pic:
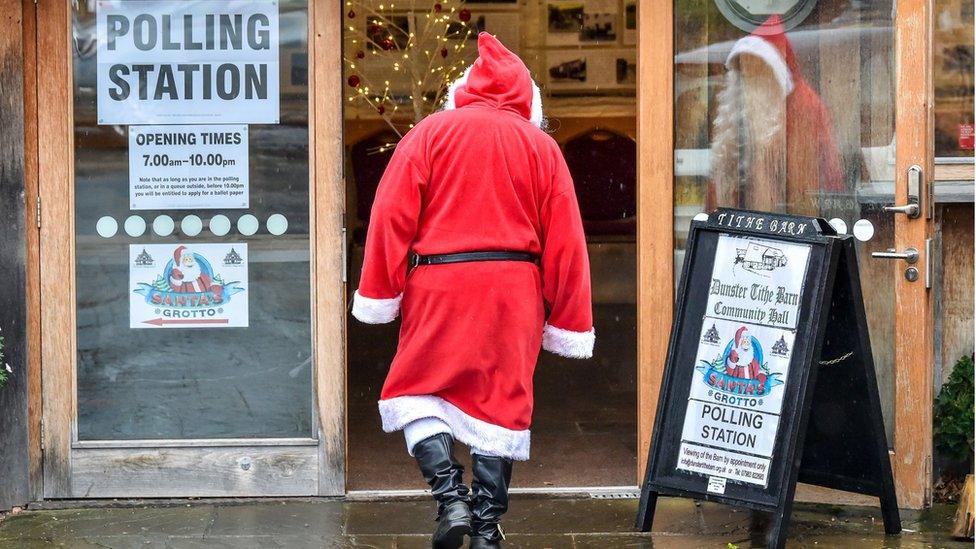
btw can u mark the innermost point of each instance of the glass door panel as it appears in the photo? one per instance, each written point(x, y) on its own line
point(790, 107)
point(192, 238)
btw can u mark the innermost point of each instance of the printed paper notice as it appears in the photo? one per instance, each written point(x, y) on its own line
point(178, 62)
point(188, 167)
point(742, 365)
point(188, 285)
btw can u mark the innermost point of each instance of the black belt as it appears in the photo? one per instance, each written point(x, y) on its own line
point(465, 257)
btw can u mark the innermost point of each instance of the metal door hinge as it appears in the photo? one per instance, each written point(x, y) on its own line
point(37, 214)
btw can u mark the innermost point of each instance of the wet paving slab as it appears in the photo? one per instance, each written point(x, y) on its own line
point(534, 522)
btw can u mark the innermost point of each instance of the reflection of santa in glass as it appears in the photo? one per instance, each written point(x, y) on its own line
point(187, 276)
point(773, 145)
point(741, 362)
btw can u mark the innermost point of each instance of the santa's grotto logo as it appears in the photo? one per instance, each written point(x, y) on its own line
point(740, 369)
point(188, 287)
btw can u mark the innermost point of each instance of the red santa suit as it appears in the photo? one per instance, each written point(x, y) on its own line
point(741, 362)
point(478, 176)
point(186, 275)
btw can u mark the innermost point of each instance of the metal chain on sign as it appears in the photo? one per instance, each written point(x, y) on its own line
point(833, 361)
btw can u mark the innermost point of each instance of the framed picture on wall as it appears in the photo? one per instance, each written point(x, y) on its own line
point(492, 4)
point(591, 71)
point(387, 33)
point(573, 22)
point(504, 25)
point(630, 22)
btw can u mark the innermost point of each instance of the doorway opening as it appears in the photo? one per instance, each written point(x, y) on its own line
point(583, 57)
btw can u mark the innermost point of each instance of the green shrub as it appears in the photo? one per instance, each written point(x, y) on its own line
point(953, 421)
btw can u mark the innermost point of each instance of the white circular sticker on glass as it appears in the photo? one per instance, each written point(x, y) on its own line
point(164, 225)
point(248, 224)
point(191, 225)
point(863, 230)
point(106, 227)
point(839, 225)
point(219, 225)
point(134, 225)
point(277, 224)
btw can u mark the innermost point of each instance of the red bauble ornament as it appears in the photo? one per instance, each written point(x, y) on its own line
point(387, 44)
point(443, 52)
point(464, 15)
point(360, 54)
point(351, 14)
point(381, 109)
point(437, 8)
point(353, 80)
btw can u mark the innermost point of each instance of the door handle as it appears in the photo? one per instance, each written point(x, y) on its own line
point(912, 209)
point(910, 255)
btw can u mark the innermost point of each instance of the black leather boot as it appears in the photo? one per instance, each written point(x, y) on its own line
point(435, 455)
point(489, 499)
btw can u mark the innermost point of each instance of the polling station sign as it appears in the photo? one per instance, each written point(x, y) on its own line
point(194, 62)
point(189, 167)
point(743, 358)
point(769, 378)
point(188, 285)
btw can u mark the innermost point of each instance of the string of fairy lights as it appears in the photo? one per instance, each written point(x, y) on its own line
point(417, 52)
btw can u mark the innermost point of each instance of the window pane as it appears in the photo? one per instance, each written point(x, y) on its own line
point(789, 107)
point(166, 382)
point(953, 75)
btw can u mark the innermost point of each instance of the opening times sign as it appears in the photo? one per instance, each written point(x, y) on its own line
point(197, 62)
point(742, 364)
point(188, 167)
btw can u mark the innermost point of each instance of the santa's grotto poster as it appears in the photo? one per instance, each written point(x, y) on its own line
point(188, 285)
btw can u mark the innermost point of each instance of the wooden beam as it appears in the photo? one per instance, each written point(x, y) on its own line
point(328, 207)
point(256, 471)
point(914, 320)
point(55, 153)
point(655, 211)
point(33, 266)
point(14, 463)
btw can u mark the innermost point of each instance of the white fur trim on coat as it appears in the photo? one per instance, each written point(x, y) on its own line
point(375, 311)
point(566, 343)
point(449, 104)
point(762, 49)
point(535, 113)
point(499, 441)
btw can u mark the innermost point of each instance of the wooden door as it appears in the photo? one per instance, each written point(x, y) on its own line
point(146, 410)
point(841, 102)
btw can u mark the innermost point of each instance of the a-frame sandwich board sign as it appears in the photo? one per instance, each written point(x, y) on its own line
point(769, 378)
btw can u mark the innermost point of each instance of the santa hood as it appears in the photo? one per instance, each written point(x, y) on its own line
point(497, 78)
point(770, 44)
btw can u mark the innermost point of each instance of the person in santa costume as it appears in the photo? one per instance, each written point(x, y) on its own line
point(742, 362)
point(480, 200)
point(186, 276)
point(773, 145)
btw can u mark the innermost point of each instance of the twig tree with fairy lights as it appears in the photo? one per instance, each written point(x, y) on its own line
point(400, 60)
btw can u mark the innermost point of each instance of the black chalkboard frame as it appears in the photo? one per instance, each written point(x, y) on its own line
point(831, 293)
